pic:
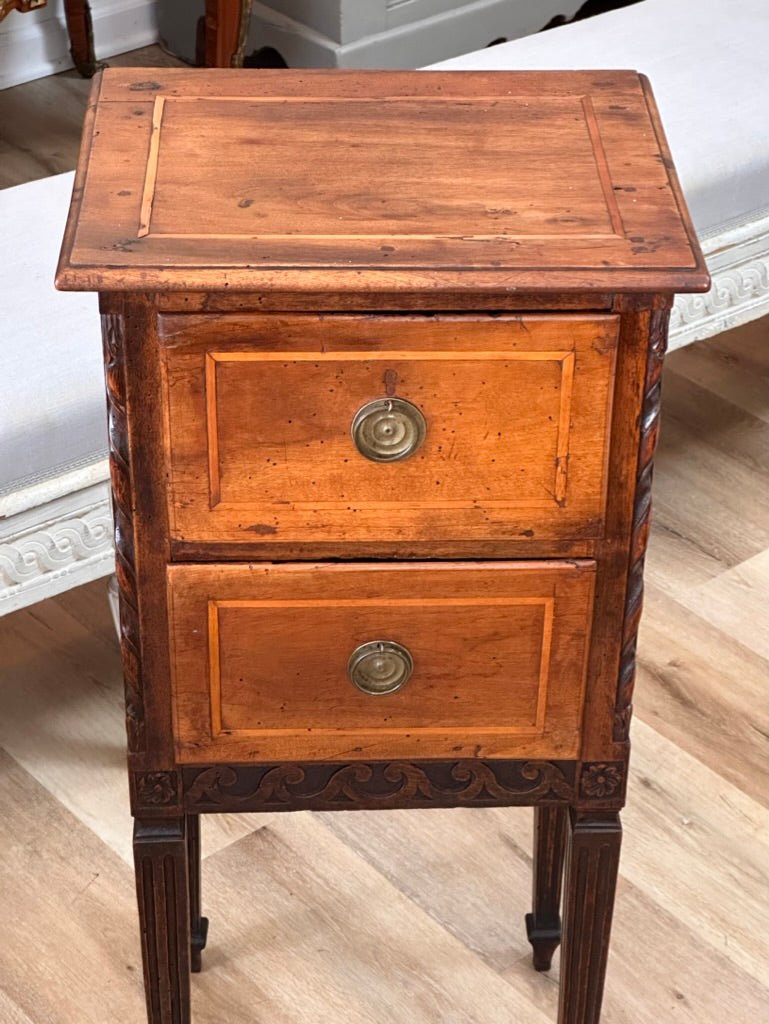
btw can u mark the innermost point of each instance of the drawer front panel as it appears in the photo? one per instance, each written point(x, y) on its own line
point(509, 427)
point(265, 669)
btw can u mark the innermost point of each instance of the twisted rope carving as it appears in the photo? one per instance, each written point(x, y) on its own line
point(650, 413)
point(125, 560)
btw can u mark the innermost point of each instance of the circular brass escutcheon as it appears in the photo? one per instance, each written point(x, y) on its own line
point(388, 429)
point(380, 667)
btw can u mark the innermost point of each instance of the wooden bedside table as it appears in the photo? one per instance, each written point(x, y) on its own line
point(383, 354)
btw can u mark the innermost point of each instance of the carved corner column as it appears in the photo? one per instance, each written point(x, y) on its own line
point(650, 421)
point(113, 339)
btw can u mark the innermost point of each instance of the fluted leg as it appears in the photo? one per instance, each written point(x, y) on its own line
point(543, 924)
point(592, 862)
point(160, 857)
point(198, 923)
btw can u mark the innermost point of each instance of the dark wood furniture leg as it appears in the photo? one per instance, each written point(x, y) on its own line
point(592, 861)
point(198, 923)
point(80, 31)
point(160, 857)
point(226, 25)
point(543, 924)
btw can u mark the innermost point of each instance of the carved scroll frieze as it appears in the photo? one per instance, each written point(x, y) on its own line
point(383, 784)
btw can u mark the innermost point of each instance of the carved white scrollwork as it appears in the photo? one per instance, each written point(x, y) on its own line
point(739, 265)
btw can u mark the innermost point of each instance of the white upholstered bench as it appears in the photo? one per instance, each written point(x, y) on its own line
point(707, 72)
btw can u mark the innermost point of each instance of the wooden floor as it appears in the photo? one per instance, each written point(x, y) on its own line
point(409, 917)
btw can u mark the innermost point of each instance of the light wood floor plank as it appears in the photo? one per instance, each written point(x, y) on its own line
point(10, 1012)
point(482, 860)
point(69, 952)
point(732, 366)
point(325, 938)
point(698, 846)
point(62, 718)
point(704, 691)
point(713, 504)
point(388, 918)
point(660, 971)
point(724, 426)
point(736, 602)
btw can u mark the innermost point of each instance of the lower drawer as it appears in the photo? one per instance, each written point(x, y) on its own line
point(306, 662)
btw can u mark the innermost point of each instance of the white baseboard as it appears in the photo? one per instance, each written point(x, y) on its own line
point(35, 45)
point(402, 43)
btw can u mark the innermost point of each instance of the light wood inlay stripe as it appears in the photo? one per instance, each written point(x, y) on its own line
point(212, 431)
point(562, 444)
point(389, 602)
point(602, 164)
point(459, 99)
point(565, 358)
point(151, 174)
point(544, 661)
point(214, 664)
point(386, 356)
point(215, 685)
point(432, 236)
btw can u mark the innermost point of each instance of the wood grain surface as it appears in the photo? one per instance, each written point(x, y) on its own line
point(382, 918)
point(260, 409)
point(293, 895)
point(261, 654)
point(338, 180)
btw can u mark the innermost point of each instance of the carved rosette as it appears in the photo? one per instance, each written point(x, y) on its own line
point(122, 505)
point(602, 780)
point(155, 790)
point(380, 784)
point(650, 413)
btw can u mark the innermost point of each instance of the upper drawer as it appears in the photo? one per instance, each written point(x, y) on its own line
point(282, 429)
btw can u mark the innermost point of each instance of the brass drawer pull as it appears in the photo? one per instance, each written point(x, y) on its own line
point(388, 429)
point(379, 667)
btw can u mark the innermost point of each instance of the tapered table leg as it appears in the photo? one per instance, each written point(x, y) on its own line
point(198, 923)
point(543, 924)
point(160, 857)
point(592, 861)
point(77, 14)
point(226, 31)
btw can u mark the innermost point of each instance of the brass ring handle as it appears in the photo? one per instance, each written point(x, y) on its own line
point(380, 667)
point(388, 429)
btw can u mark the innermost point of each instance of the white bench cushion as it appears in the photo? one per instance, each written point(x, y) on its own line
point(707, 65)
point(52, 411)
